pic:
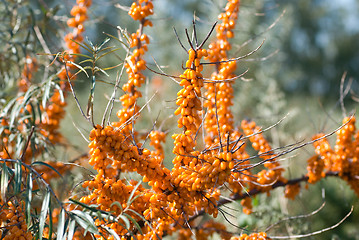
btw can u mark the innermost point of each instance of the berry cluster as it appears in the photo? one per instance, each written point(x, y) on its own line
point(220, 92)
point(141, 9)
point(205, 231)
point(157, 138)
point(273, 173)
point(134, 65)
point(219, 122)
point(217, 50)
point(343, 159)
point(252, 236)
point(292, 190)
point(12, 222)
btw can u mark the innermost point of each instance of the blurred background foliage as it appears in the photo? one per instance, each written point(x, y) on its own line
point(308, 46)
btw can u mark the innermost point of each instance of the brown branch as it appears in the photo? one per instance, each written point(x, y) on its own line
point(254, 192)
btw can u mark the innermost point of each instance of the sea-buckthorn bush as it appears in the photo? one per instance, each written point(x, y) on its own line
point(139, 173)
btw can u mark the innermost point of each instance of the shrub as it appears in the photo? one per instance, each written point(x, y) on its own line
point(214, 161)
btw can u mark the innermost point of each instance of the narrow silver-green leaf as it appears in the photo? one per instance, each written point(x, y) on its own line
point(122, 42)
point(125, 220)
point(113, 233)
point(101, 70)
point(117, 204)
point(109, 68)
point(43, 213)
point(61, 225)
point(71, 230)
point(84, 45)
point(79, 67)
point(130, 200)
point(104, 42)
point(134, 222)
point(85, 221)
point(140, 216)
point(4, 181)
point(17, 177)
point(47, 165)
point(46, 93)
point(28, 199)
point(113, 50)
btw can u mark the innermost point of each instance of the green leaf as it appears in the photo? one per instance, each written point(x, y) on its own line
point(46, 93)
point(104, 42)
point(9, 105)
point(50, 221)
point(130, 200)
point(28, 199)
point(134, 222)
point(122, 42)
point(61, 225)
point(85, 61)
point(117, 204)
point(43, 213)
point(140, 216)
point(71, 230)
point(113, 50)
point(125, 220)
point(112, 232)
point(101, 70)
point(79, 67)
point(4, 181)
point(109, 68)
point(85, 221)
point(81, 55)
point(46, 165)
point(84, 45)
point(17, 177)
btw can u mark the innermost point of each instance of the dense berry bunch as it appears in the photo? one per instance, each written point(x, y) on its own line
point(12, 220)
point(343, 160)
point(273, 173)
point(252, 236)
point(292, 190)
point(157, 139)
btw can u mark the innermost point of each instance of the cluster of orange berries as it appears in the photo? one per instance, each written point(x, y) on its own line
point(51, 118)
point(79, 16)
point(292, 190)
point(252, 236)
point(141, 9)
point(260, 144)
point(188, 98)
point(30, 68)
point(134, 65)
point(220, 95)
point(315, 169)
point(157, 138)
point(111, 153)
point(13, 225)
point(195, 172)
point(205, 231)
point(217, 50)
point(342, 160)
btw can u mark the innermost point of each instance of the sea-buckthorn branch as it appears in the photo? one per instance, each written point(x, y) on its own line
point(256, 191)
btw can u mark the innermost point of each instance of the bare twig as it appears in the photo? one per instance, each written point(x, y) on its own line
point(316, 232)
